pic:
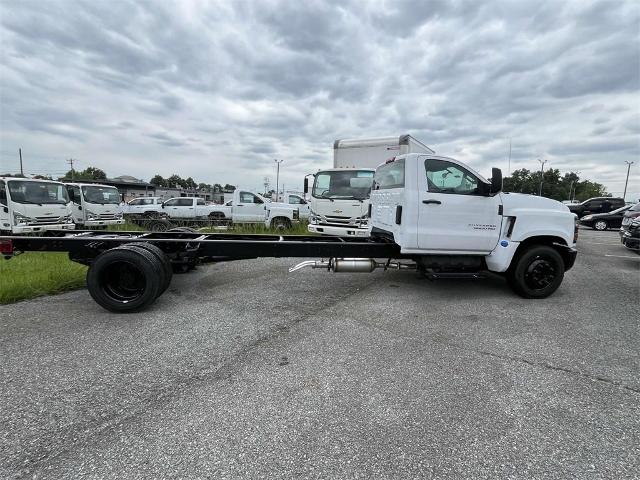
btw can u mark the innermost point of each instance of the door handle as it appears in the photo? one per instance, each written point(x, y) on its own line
point(435, 202)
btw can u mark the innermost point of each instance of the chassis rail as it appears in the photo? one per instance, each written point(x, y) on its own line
point(208, 247)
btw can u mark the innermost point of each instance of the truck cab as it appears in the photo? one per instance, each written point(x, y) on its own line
point(29, 205)
point(454, 220)
point(94, 205)
point(340, 201)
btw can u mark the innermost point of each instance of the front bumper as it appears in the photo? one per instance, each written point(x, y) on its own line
point(42, 228)
point(632, 243)
point(98, 223)
point(339, 231)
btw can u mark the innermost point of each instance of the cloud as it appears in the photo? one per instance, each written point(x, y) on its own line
point(217, 90)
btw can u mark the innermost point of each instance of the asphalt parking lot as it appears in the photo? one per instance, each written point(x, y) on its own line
point(242, 370)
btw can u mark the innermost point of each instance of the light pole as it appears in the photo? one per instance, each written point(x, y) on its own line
point(542, 162)
point(278, 162)
point(624, 195)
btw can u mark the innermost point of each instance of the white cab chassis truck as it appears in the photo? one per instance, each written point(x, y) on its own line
point(94, 205)
point(432, 215)
point(31, 206)
point(339, 202)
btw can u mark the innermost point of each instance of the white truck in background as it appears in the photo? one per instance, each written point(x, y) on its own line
point(149, 207)
point(30, 206)
point(245, 207)
point(94, 205)
point(339, 202)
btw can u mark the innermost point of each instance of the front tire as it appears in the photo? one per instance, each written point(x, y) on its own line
point(537, 272)
point(600, 225)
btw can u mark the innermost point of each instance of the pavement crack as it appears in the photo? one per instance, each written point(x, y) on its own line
point(556, 368)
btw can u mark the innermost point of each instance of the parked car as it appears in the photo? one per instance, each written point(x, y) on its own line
point(630, 237)
point(629, 216)
point(596, 205)
point(603, 221)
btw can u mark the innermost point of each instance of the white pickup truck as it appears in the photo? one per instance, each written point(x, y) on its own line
point(246, 207)
point(143, 206)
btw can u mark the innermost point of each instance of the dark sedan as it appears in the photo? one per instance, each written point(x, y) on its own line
point(602, 221)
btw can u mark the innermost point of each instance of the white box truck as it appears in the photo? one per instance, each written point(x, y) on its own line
point(30, 205)
point(339, 203)
point(94, 205)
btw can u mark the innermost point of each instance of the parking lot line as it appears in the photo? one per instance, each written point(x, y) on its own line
point(622, 256)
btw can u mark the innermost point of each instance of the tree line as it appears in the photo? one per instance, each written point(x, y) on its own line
point(175, 181)
point(554, 185)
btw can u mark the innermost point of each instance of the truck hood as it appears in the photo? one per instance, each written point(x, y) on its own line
point(340, 208)
point(519, 201)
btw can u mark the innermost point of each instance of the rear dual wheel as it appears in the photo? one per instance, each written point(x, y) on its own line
point(129, 278)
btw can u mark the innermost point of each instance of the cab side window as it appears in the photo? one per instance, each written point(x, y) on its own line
point(448, 177)
point(200, 201)
point(296, 200)
point(184, 202)
point(171, 203)
point(248, 197)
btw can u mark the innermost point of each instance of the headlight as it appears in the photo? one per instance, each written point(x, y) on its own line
point(90, 215)
point(68, 218)
point(587, 217)
point(19, 219)
point(119, 215)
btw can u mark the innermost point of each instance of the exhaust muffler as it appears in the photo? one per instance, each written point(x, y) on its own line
point(350, 265)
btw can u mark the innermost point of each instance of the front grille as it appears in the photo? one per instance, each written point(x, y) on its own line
point(106, 216)
point(48, 220)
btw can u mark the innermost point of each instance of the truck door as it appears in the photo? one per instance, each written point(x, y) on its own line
point(200, 207)
point(303, 206)
point(76, 203)
point(249, 208)
point(453, 216)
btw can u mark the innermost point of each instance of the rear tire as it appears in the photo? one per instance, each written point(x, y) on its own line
point(281, 223)
point(164, 262)
point(537, 272)
point(124, 280)
point(159, 226)
point(600, 225)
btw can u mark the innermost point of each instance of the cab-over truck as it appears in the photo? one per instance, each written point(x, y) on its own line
point(433, 215)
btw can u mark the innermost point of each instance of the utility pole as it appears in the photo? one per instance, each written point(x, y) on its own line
point(542, 162)
point(70, 162)
point(278, 162)
point(624, 195)
point(20, 153)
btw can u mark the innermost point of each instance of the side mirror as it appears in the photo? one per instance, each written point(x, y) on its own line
point(496, 180)
point(306, 185)
point(163, 205)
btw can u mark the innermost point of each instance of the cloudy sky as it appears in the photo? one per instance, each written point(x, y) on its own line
point(217, 90)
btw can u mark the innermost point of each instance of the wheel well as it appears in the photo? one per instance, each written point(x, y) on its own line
point(286, 219)
point(548, 240)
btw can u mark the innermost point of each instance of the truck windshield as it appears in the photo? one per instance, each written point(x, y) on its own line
point(101, 195)
point(343, 184)
point(37, 192)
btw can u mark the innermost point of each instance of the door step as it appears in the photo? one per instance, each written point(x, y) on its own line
point(440, 275)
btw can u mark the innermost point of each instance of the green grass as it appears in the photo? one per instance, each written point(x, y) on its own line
point(34, 274)
point(258, 229)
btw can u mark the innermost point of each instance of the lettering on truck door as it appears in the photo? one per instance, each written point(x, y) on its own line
point(452, 213)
